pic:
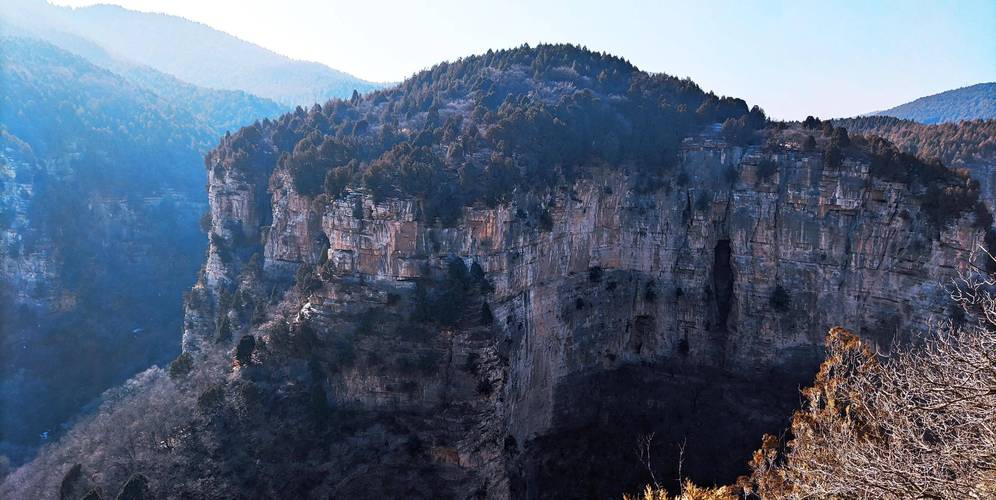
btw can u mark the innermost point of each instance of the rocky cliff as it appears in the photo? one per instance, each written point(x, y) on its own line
point(693, 311)
point(496, 279)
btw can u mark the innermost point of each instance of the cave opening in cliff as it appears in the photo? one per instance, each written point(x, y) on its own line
point(722, 281)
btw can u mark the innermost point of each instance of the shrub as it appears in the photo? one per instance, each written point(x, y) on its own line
point(135, 488)
point(839, 138)
point(703, 201)
point(780, 299)
point(545, 221)
point(766, 169)
point(205, 222)
point(487, 318)
point(983, 218)
point(181, 366)
point(72, 482)
point(224, 330)
point(211, 399)
point(306, 280)
point(811, 123)
point(595, 274)
point(832, 157)
point(918, 424)
point(245, 349)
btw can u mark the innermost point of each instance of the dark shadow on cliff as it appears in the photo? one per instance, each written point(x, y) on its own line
point(600, 418)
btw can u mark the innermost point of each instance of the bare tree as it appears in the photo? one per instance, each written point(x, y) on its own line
point(920, 423)
point(644, 450)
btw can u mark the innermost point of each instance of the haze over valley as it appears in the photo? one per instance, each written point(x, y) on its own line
point(530, 270)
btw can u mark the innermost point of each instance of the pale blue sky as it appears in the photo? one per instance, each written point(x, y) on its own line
point(793, 58)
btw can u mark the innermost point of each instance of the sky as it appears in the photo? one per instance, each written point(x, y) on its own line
point(793, 58)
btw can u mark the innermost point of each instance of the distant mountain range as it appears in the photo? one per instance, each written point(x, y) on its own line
point(207, 58)
point(976, 102)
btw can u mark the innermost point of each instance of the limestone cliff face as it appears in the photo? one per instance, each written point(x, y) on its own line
point(727, 277)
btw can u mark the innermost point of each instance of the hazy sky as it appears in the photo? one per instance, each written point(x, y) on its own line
point(793, 58)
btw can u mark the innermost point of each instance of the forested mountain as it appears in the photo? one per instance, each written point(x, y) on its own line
point(89, 158)
point(207, 57)
point(956, 144)
point(975, 102)
point(498, 277)
point(218, 110)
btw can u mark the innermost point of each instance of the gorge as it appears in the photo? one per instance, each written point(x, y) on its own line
point(494, 279)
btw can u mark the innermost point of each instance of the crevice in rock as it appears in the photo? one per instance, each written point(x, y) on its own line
point(722, 281)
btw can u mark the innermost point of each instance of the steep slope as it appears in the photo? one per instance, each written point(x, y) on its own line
point(492, 280)
point(975, 102)
point(101, 195)
point(207, 58)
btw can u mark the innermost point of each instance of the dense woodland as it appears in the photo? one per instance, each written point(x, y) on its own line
point(955, 144)
point(479, 129)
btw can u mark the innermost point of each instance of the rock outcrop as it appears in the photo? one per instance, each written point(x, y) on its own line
point(495, 279)
point(709, 298)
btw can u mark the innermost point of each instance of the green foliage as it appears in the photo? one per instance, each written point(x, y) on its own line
point(211, 398)
point(955, 144)
point(71, 482)
point(224, 331)
point(487, 318)
point(446, 302)
point(407, 142)
point(181, 366)
point(545, 221)
point(306, 280)
point(766, 168)
point(205, 222)
point(245, 349)
point(839, 138)
point(135, 488)
point(944, 194)
point(832, 157)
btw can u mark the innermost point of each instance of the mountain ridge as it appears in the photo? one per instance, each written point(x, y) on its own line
point(470, 284)
point(214, 59)
point(972, 102)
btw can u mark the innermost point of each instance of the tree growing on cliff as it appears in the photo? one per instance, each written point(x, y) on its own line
point(245, 349)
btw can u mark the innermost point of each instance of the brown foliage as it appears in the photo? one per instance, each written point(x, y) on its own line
point(919, 423)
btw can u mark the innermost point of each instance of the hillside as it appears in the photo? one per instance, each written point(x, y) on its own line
point(975, 102)
point(471, 284)
point(968, 144)
point(208, 58)
point(957, 144)
point(88, 159)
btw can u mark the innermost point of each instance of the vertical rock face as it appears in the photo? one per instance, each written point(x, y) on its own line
point(493, 279)
point(692, 311)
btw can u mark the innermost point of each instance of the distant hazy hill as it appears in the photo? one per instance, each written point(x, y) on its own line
point(977, 102)
point(218, 110)
point(206, 57)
